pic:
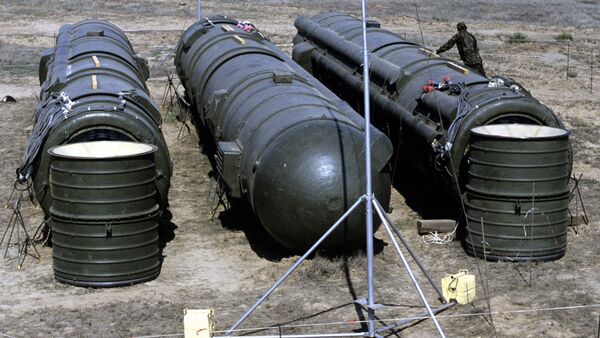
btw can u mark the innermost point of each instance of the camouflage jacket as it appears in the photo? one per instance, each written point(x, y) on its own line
point(467, 47)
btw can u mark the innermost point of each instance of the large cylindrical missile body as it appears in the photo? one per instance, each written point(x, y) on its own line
point(283, 141)
point(425, 102)
point(92, 88)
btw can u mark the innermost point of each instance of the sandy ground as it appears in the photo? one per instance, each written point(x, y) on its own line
point(226, 262)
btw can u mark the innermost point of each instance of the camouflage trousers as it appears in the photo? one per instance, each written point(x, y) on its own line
point(478, 67)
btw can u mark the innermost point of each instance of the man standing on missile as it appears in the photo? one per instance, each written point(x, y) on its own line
point(467, 48)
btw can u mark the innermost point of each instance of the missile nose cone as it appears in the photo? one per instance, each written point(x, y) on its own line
point(313, 175)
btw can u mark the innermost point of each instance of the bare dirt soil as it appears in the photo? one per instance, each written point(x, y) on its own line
point(226, 262)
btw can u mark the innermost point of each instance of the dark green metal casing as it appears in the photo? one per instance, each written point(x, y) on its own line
point(517, 195)
point(507, 160)
point(419, 120)
point(94, 65)
point(104, 214)
point(284, 142)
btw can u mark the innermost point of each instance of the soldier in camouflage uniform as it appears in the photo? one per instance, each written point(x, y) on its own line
point(467, 48)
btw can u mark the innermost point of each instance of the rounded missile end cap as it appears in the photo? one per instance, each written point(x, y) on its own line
point(308, 179)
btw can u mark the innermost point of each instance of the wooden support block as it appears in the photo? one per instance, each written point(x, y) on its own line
point(458, 68)
point(425, 226)
point(429, 53)
point(94, 82)
point(198, 323)
point(227, 28)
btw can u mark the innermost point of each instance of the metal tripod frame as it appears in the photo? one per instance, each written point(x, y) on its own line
point(393, 232)
point(371, 202)
point(15, 226)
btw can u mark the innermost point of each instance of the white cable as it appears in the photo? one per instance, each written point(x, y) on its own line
point(435, 238)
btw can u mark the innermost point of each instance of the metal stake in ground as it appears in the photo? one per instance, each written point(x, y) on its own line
point(592, 71)
point(568, 57)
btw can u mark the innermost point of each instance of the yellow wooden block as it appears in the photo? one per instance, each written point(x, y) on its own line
point(239, 40)
point(430, 53)
point(94, 82)
point(460, 287)
point(227, 28)
point(96, 61)
point(458, 68)
point(198, 323)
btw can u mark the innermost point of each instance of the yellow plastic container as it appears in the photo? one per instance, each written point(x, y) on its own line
point(198, 323)
point(460, 287)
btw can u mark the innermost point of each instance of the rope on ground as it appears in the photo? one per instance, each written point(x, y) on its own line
point(436, 238)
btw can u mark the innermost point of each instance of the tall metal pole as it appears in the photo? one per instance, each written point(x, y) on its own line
point(370, 204)
point(369, 190)
point(199, 13)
